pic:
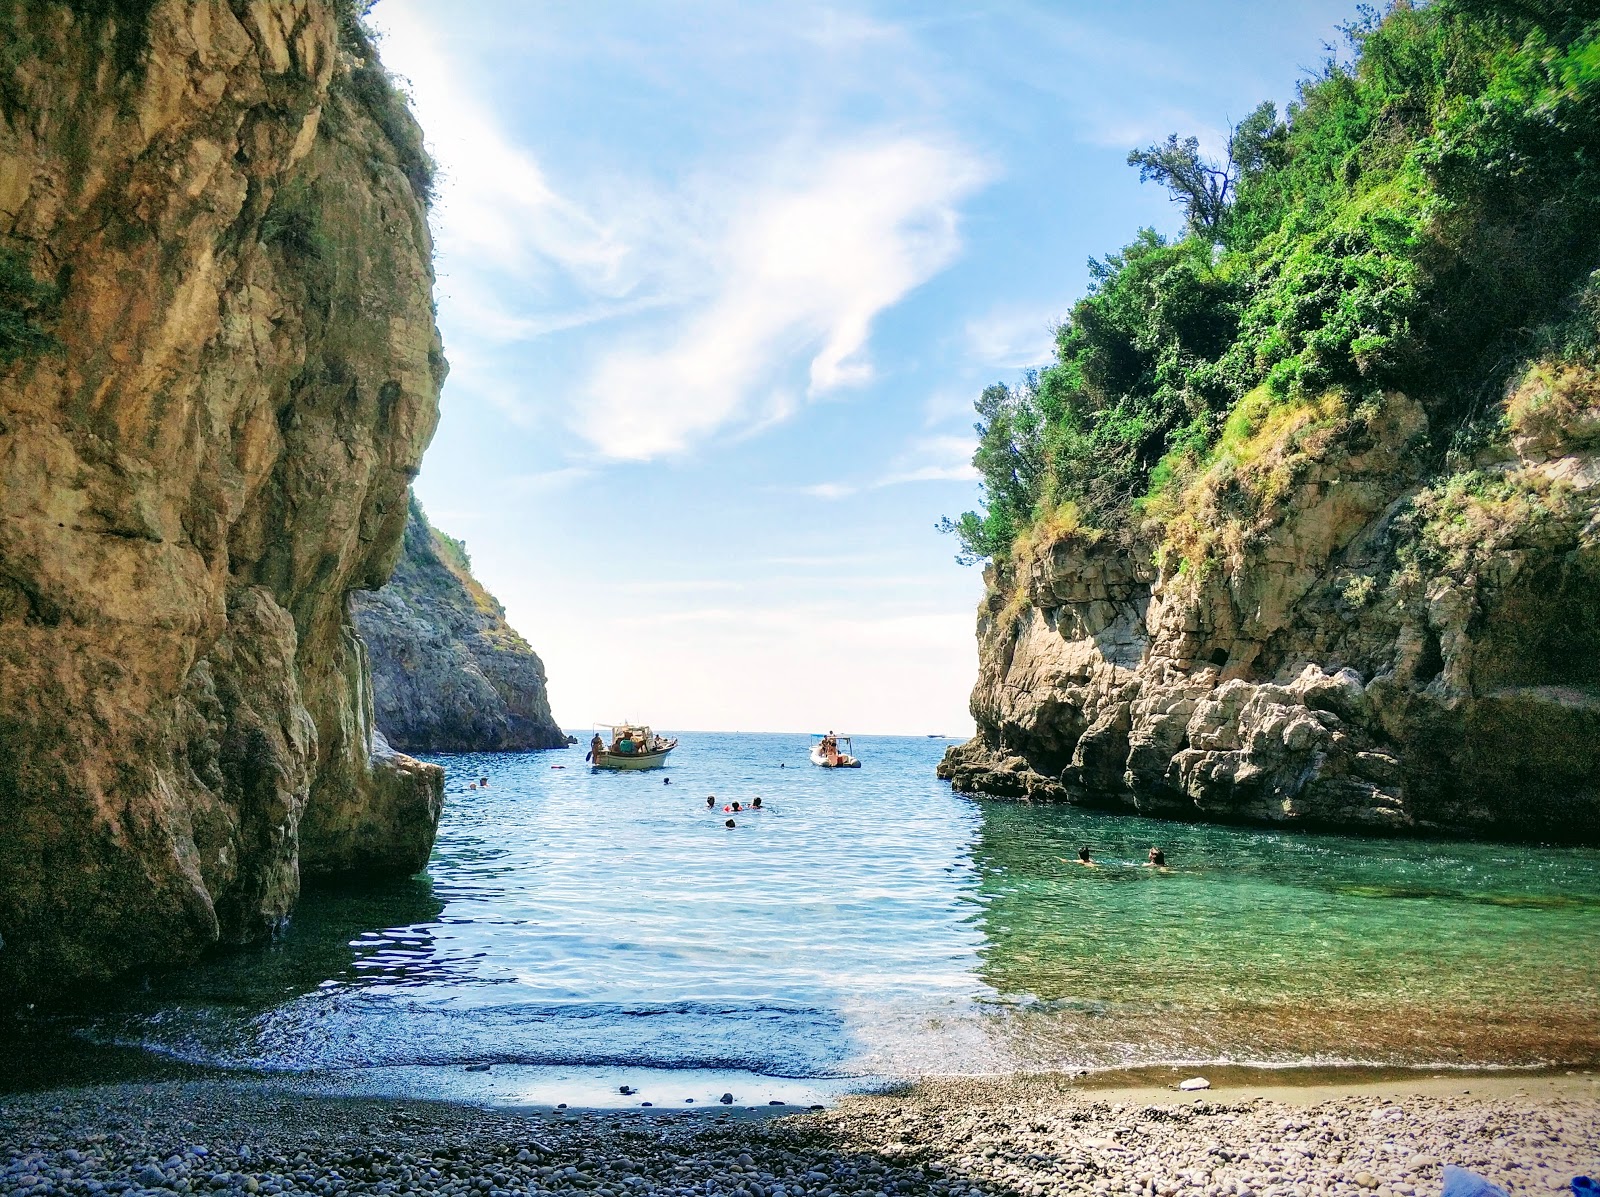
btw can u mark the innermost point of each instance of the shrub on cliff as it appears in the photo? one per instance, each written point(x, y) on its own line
point(370, 85)
point(24, 301)
point(1418, 222)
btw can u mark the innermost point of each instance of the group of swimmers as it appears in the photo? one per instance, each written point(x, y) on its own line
point(481, 784)
point(1157, 859)
point(734, 807)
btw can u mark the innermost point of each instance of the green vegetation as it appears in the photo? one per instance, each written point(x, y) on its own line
point(1424, 219)
point(291, 222)
point(372, 88)
point(130, 26)
point(24, 301)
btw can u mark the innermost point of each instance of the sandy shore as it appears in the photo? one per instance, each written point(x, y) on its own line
point(1024, 1136)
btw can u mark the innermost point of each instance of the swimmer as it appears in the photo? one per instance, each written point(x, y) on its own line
point(711, 801)
point(1158, 859)
point(483, 783)
point(735, 807)
point(730, 823)
point(666, 781)
point(1084, 859)
point(472, 785)
point(756, 805)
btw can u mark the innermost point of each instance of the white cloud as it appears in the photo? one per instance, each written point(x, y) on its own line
point(929, 459)
point(747, 286)
point(497, 206)
point(804, 269)
point(544, 481)
point(1010, 338)
point(830, 490)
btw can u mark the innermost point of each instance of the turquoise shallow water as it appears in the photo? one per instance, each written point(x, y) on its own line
point(870, 923)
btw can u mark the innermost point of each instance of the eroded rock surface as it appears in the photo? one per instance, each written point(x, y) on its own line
point(449, 674)
point(193, 481)
point(1393, 649)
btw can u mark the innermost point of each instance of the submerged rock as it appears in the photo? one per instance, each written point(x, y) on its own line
point(449, 674)
point(212, 454)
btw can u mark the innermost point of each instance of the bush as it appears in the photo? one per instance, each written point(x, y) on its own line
point(1424, 218)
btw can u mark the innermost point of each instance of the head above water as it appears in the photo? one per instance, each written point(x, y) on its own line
point(1157, 856)
point(711, 799)
point(736, 806)
point(756, 805)
point(730, 823)
point(1083, 853)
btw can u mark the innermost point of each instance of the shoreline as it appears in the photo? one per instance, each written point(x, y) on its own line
point(1014, 1136)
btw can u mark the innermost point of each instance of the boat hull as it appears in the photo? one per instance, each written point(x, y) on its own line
point(844, 762)
point(630, 760)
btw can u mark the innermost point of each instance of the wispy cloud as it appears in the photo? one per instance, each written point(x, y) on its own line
point(498, 207)
point(929, 459)
point(800, 276)
point(544, 481)
point(1010, 337)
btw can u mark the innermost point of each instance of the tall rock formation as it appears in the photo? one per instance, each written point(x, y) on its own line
point(448, 673)
point(1383, 646)
point(223, 204)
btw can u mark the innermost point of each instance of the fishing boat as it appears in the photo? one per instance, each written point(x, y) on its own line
point(827, 754)
point(632, 746)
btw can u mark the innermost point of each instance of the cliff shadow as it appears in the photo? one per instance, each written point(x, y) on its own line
point(346, 932)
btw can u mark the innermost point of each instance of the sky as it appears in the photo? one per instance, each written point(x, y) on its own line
point(719, 283)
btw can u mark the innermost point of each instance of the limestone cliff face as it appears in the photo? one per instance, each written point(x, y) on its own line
point(214, 455)
point(1387, 646)
point(448, 673)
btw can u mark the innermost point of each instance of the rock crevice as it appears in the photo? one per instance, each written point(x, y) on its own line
point(1394, 649)
point(212, 455)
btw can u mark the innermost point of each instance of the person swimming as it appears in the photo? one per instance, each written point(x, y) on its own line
point(734, 807)
point(711, 801)
point(483, 783)
point(756, 805)
point(1158, 859)
point(1084, 857)
point(730, 823)
point(666, 781)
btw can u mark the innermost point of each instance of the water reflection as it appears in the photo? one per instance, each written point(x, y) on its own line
point(341, 935)
point(872, 923)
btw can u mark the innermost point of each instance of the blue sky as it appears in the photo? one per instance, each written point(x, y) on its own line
point(719, 282)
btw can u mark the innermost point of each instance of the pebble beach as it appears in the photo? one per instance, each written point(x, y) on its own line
point(1027, 1136)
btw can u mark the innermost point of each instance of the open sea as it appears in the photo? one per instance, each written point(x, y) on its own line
point(577, 931)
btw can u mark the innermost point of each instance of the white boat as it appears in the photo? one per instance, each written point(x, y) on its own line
point(632, 746)
point(828, 754)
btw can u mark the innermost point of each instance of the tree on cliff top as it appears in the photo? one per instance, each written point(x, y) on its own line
point(1203, 186)
point(1418, 221)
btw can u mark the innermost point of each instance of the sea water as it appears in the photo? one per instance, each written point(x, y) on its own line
point(577, 932)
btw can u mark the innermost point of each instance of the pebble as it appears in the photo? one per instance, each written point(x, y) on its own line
point(942, 1139)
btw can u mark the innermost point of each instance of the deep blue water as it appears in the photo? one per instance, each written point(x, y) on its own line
point(577, 927)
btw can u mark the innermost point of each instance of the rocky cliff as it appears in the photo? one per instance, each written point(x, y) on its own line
point(1382, 645)
point(448, 673)
point(221, 369)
